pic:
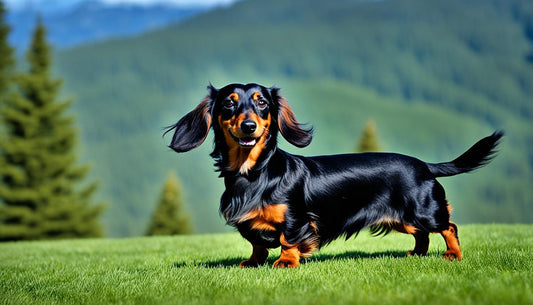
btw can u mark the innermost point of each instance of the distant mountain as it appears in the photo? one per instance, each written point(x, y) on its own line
point(90, 21)
point(44, 6)
point(435, 75)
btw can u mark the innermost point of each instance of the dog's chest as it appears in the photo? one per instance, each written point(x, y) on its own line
point(263, 226)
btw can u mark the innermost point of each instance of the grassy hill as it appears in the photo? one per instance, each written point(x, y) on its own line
point(435, 77)
point(203, 269)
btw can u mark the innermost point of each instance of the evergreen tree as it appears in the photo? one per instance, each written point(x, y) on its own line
point(41, 187)
point(7, 61)
point(369, 139)
point(170, 217)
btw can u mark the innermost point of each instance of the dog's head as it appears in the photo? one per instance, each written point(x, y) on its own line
point(245, 119)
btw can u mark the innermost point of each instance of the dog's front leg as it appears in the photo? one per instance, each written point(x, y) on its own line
point(290, 255)
point(259, 256)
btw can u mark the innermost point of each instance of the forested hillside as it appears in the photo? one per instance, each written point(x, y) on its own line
point(436, 76)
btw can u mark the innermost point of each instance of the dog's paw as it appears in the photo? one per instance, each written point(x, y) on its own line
point(451, 255)
point(416, 253)
point(285, 263)
point(247, 263)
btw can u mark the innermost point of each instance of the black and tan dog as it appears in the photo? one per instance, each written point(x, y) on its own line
point(302, 203)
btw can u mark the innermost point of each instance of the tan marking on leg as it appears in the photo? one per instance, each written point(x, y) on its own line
point(290, 255)
point(289, 258)
point(452, 243)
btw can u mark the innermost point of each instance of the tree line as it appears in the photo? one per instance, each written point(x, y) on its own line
point(44, 193)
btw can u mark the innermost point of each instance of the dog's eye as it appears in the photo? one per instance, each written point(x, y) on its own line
point(261, 103)
point(229, 104)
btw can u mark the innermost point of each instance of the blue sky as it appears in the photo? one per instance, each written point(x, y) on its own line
point(182, 2)
point(18, 4)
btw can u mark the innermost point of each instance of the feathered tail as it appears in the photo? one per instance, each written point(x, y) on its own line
point(477, 156)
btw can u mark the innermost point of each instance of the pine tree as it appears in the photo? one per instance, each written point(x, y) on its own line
point(369, 139)
point(41, 187)
point(7, 61)
point(170, 217)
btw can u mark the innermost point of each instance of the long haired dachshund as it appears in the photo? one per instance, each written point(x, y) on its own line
point(302, 203)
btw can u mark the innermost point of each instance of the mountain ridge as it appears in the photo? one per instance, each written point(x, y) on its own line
point(91, 21)
point(434, 85)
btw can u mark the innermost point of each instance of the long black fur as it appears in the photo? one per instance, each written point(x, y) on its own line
point(327, 196)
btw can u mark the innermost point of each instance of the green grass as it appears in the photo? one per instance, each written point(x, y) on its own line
point(203, 269)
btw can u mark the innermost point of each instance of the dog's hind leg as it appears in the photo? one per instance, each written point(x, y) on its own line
point(453, 251)
point(449, 233)
point(421, 239)
point(259, 256)
point(443, 225)
point(421, 243)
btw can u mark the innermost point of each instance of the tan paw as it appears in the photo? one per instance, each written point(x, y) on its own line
point(285, 263)
point(451, 255)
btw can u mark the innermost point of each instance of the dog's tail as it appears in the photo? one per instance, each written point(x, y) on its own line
point(478, 155)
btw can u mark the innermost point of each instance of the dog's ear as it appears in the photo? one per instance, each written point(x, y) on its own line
point(191, 131)
point(294, 132)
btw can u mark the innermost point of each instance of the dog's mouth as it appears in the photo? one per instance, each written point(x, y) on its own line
point(245, 141)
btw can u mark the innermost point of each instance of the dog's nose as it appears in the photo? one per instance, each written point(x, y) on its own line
point(248, 126)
